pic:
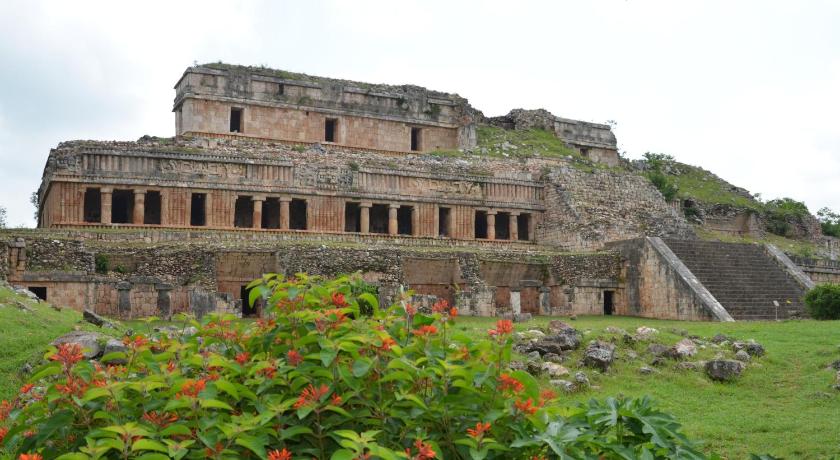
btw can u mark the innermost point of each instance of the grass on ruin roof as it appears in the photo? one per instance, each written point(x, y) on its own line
point(705, 187)
point(801, 248)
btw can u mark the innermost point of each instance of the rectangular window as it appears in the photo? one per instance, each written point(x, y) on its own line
point(523, 226)
point(503, 226)
point(415, 139)
point(236, 120)
point(152, 210)
point(93, 205)
point(481, 224)
point(404, 226)
point(443, 222)
point(379, 218)
point(122, 206)
point(198, 210)
point(352, 217)
point(330, 125)
point(271, 213)
point(243, 212)
point(280, 89)
point(297, 214)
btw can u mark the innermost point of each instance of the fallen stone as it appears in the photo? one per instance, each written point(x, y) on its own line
point(659, 361)
point(554, 370)
point(553, 358)
point(754, 348)
point(724, 370)
point(742, 356)
point(534, 355)
point(630, 354)
point(27, 293)
point(533, 367)
point(556, 326)
point(720, 338)
point(835, 365)
point(581, 379)
point(115, 346)
point(683, 349)
point(22, 306)
point(517, 366)
point(645, 333)
point(521, 317)
point(96, 320)
point(657, 349)
point(615, 330)
point(531, 334)
point(689, 366)
point(564, 385)
point(599, 355)
point(89, 341)
point(644, 370)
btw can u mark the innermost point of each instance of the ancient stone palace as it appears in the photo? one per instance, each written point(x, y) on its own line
point(273, 171)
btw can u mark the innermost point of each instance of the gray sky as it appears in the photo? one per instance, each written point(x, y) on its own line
point(747, 89)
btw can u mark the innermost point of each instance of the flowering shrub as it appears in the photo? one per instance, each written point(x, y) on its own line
point(316, 378)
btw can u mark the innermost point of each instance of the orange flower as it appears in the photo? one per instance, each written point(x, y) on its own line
point(135, 343)
point(171, 366)
point(311, 395)
point(5, 408)
point(30, 457)
point(68, 354)
point(509, 383)
point(426, 330)
point(338, 300)
point(73, 386)
point(26, 388)
point(192, 388)
point(3, 433)
point(503, 326)
point(280, 455)
point(335, 400)
point(410, 310)
point(294, 357)
point(162, 420)
point(479, 430)
point(440, 306)
point(387, 343)
point(526, 406)
point(453, 312)
point(424, 451)
point(268, 372)
point(243, 357)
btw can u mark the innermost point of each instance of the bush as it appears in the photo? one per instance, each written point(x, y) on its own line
point(311, 381)
point(664, 185)
point(829, 222)
point(823, 301)
point(101, 263)
point(781, 212)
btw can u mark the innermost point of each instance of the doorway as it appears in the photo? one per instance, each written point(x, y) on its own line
point(248, 310)
point(609, 306)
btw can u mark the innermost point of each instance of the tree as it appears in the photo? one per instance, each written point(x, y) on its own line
point(656, 163)
point(829, 221)
point(35, 202)
point(2, 217)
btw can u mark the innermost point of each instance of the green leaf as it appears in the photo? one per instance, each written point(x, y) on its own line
point(148, 444)
point(73, 456)
point(228, 388)
point(215, 404)
point(361, 367)
point(113, 356)
point(255, 444)
point(178, 429)
point(58, 420)
point(327, 356)
point(153, 456)
point(343, 454)
point(46, 370)
point(291, 432)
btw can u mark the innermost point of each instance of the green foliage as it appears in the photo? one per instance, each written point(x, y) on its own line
point(656, 163)
point(311, 380)
point(829, 221)
point(101, 263)
point(823, 301)
point(781, 212)
point(2, 217)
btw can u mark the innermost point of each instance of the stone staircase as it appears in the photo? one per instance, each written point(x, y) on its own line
point(742, 277)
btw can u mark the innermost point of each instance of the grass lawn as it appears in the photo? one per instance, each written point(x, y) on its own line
point(782, 405)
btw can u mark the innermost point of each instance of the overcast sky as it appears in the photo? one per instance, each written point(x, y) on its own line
point(747, 89)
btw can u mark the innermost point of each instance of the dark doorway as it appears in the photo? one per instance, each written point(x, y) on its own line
point(443, 221)
point(93, 205)
point(415, 139)
point(379, 218)
point(352, 217)
point(329, 129)
point(481, 224)
point(609, 307)
point(243, 212)
point(198, 210)
point(122, 206)
point(152, 208)
point(39, 291)
point(271, 213)
point(404, 220)
point(297, 214)
point(523, 226)
point(248, 310)
point(236, 119)
point(503, 226)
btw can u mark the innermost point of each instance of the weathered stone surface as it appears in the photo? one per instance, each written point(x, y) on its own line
point(564, 385)
point(557, 326)
point(521, 317)
point(96, 320)
point(645, 370)
point(531, 334)
point(554, 370)
point(742, 356)
point(724, 370)
point(599, 355)
point(645, 333)
point(553, 358)
point(89, 341)
point(683, 349)
point(581, 379)
point(657, 349)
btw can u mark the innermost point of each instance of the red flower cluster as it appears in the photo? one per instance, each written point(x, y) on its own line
point(441, 306)
point(26, 388)
point(410, 310)
point(30, 457)
point(424, 451)
point(268, 372)
point(68, 354)
point(3, 433)
point(280, 455)
point(243, 357)
point(135, 343)
point(311, 395)
point(479, 430)
point(5, 409)
point(527, 406)
point(162, 420)
point(387, 343)
point(503, 327)
point(294, 357)
point(74, 386)
point(338, 300)
point(506, 382)
point(424, 331)
point(192, 388)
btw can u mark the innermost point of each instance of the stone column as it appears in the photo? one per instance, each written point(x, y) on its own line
point(415, 221)
point(545, 301)
point(392, 219)
point(284, 212)
point(164, 300)
point(491, 225)
point(531, 227)
point(164, 207)
point(124, 299)
point(139, 207)
point(514, 228)
point(515, 301)
point(364, 219)
point(106, 200)
point(258, 205)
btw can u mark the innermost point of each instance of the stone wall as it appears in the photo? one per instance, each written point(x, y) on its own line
point(819, 270)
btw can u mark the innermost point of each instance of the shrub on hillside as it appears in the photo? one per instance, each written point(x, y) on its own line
point(829, 222)
point(318, 379)
point(823, 301)
point(781, 213)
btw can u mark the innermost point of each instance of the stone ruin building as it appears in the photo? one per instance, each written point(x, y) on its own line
point(272, 171)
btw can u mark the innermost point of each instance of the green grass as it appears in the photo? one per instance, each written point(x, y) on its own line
point(782, 405)
point(25, 335)
point(789, 245)
point(704, 187)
